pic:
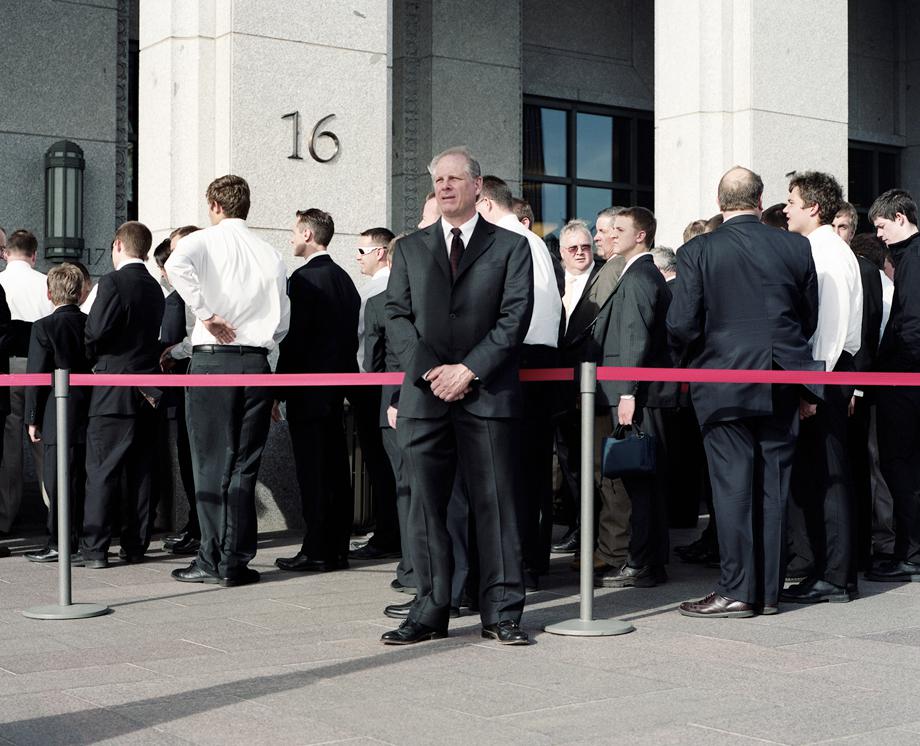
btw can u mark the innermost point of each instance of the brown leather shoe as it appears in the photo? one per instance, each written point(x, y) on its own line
point(716, 607)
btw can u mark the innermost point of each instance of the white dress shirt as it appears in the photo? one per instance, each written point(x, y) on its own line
point(229, 271)
point(574, 289)
point(887, 298)
point(376, 285)
point(26, 291)
point(466, 231)
point(547, 305)
point(839, 297)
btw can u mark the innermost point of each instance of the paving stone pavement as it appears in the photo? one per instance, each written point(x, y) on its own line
point(296, 659)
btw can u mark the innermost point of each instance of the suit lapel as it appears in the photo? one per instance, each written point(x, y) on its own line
point(482, 238)
point(434, 240)
point(632, 267)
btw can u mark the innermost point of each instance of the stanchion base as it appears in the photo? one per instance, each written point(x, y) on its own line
point(73, 611)
point(594, 628)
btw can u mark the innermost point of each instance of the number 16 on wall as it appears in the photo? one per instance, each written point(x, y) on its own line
point(315, 135)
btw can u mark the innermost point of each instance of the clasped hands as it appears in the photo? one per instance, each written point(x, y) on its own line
point(450, 382)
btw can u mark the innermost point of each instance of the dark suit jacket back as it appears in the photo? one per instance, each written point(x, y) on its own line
point(323, 336)
point(872, 314)
point(379, 356)
point(57, 343)
point(745, 298)
point(631, 332)
point(480, 319)
point(899, 350)
point(123, 336)
point(5, 351)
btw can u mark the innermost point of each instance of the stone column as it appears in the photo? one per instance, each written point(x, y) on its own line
point(758, 84)
point(456, 81)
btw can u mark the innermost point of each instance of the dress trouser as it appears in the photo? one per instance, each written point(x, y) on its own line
point(482, 450)
point(882, 502)
point(77, 474)
point(614, 516)
point(404, 572)
point(750, 465)
point(326, 497)
point(186, 473)
point(227, 430)
point(898, 448)
point(821, 526)
point(119, 446)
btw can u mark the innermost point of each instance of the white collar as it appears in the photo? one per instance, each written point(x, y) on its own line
point(127, 261)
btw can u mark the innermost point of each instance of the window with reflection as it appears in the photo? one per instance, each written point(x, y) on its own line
point(580, 158)
point(873, 169)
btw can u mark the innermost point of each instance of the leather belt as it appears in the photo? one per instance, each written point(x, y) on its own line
point(237, 349)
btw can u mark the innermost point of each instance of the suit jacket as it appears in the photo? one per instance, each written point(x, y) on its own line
point(379, 355)
point(899, 350)
point(872, 314)
point(631, 332)
point(173, 327)
point(323, 335)
point(480, 319)
point(596, 293)
point(746, 298)
point(57, 343)
point(5, 351)
point(123, 336)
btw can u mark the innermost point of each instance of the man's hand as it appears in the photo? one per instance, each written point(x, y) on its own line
point(167, 361)
point(220, 329)
point(391, 416)
point(276, 412)
point(450, 382)
point(35, 434)
point(806, 409)
point(626, 409)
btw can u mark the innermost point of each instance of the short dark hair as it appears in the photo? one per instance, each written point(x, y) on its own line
point(644, 220)
point(871, 247)
point(231, 193)
point(740, 189)
point(82, 267)
point(892, 202)
point(136, 239)
point(65, 284)
point(320, 223)
point(522, 208)
point(850, 212)
point(714, 222)
point(821, 189)
point(22, 242)
point(380, 236)
point(497, 190)
point(775, 216)
point(161, 253)
point(183, 231)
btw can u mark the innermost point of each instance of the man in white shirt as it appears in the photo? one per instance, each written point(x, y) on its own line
point(27, 296)
point(235, 284)
point(371, 255)
point(535, 514)
point(821, 520)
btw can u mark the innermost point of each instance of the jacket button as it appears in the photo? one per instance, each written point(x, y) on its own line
point(453, 316)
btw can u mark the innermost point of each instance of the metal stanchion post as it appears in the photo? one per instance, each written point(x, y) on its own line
point(64, 609)
point(586, 625)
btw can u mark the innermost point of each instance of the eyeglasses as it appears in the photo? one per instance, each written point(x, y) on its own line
point(364, 250)
point(585, 247)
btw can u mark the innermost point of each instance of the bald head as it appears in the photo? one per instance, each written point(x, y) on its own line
point(740, 189)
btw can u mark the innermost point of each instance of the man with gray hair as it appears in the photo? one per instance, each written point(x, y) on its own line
point(666, 261)
point(459, 302)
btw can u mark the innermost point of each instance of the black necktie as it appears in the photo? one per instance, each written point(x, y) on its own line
point(456, 252)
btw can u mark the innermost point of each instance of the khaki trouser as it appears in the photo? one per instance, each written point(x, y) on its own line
point(613, 523)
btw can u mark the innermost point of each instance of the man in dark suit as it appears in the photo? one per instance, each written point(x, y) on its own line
point(630, 332)
point(458, 312)
point(746, 298)
point(323, 338)
point(122, 336)
point(57, 343)
point(4, 368)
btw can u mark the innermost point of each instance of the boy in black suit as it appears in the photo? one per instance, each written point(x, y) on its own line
point(57, 343)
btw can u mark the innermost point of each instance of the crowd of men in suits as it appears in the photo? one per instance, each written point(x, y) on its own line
point(803, 483)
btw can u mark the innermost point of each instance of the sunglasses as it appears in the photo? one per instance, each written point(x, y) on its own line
point(585, 247)
point(365, 250)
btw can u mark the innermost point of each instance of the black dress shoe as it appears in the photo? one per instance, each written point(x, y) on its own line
point(50, 555)
point(97, 563)
point(895, 571)
point(632, 577)
point(188, 545)
point(410, 632)
point(246, 576)
point(716, 607)
point(5, 551)
point(400, 588)
point(398, 611)
point(568, 543)
point(507, 632)
point(700, 553)
point(300, 563)
point(370, 552)
point(194, 574)
point(815, 591)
